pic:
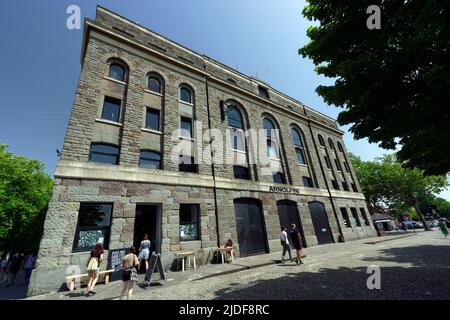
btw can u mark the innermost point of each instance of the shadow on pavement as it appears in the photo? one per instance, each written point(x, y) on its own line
point(426, 278)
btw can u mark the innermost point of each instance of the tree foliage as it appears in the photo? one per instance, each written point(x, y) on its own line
point(393, 82)
point(25, 191)
point(442, 206)
point(386, 183)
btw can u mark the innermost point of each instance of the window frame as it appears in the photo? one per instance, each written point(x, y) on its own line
point(191, 94)
point(160, 84)
point(187, 167)
point(309, 182)
point(364, 215)
point(279, 174)
point(106, 229)
point(103, 153)
point(148, 159)
point(356, 217)
point(119, 115)
point(196, 223)
point(263, 92)
point(154, 111)
point(247, 170)
point(321, 141)
point(191, 131)
point(345, 217)
point(124, 71)
point(298, 146)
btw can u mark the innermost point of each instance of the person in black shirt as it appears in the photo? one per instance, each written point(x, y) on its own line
point(296, 240)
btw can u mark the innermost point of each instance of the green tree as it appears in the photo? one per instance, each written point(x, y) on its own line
point(442, 206)
point(393, 83)
point(386, 183)
point(25, 191)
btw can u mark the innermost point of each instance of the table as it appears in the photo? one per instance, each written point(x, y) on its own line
point(223, 250)
point(188, 255)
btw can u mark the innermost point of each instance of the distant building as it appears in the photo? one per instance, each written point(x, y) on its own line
point(116, 178)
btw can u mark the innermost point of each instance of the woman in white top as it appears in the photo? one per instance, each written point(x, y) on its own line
point(144, 251)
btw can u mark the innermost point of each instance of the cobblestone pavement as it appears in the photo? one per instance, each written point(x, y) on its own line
point(413, 266)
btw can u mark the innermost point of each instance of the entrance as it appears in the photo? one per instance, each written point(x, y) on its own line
point(148, 221)
point(320, 221)
point(288, 213)
point(250, 227)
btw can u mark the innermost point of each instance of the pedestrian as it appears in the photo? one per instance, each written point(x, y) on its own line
point(13, 268)
point(296, 242)
point(144, 251)
point(129, 273)
point(93, 268)
point(230, 250)
point(4, 268)
point(443, 228)
point(28, 266)
point(285, 244)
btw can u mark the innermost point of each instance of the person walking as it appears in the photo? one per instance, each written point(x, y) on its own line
point(93, 268)
point(28, 267)
point(129, 273)
point(144, 251)
point(13, 268)
point(285, 244)
point(443, 228)
point(296, 242)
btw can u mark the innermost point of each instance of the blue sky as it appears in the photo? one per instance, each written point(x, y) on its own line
point(43, 59)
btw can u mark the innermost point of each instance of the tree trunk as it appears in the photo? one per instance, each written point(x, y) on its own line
point(419, 213)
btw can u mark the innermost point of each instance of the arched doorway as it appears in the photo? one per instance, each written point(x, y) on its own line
point(250, 227)
point(320, 222)
point(288, 213)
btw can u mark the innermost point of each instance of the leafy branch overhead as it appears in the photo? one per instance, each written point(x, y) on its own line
point(393, 83)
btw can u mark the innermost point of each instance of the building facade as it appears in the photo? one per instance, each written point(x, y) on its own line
point(117, 178)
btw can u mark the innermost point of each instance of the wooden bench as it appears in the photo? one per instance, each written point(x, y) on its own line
point(71, 280)
point(188, 255)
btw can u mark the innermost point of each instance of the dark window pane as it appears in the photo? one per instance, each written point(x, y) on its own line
point(364, 214)
point(111, 109)
point(278, 178)
point(347, 168)
point(189, 222)
point(152, 119)
point(296, 138)
point(307, 182)
point(235, 117)
point(237, 139)
point(331, 144)
point(321, 141)
point(104, 153)
point(338, 164)
point(185, 95)
point(355, 189)
point(154, 84)
point(186, 127)
point(241, 172)
point(335, 184)
point(270, 127)
point(263, 92)
point(300, 156)
point(327, 162)
point(340, 147)
point(355, 217)
point(345, 218)
point(345, 186)
point(186, 164)
point(150, 159)
point(117, 72)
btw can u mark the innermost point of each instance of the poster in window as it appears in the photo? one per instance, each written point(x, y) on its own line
point(89, 238)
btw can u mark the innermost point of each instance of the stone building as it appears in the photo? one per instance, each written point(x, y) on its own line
point(117, 179)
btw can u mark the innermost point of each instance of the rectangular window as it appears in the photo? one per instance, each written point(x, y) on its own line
point(307, 182)
point(327, 162)
point(335, 184)
point(104, 153)
point(152, 119)
point(189, 222)
point(93, 227)
point(347, 168)
point(241, 172)
point(345, 186)
point(364, 214)
point(355, 217)
point(263, 92)
point(186, 127)
point(345, 217)
point(355, 189)
point(111, 109)
point(150, 159)
point(338, 165)
point(300, 156)
point(278, 177)
point(187, 164)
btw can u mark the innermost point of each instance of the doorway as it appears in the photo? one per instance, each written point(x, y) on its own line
point(148, 221)
point(250, 227)
point(288, 213)
point(320, 222)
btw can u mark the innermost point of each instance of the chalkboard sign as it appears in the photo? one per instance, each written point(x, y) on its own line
point(115, 258)
point(154, 265)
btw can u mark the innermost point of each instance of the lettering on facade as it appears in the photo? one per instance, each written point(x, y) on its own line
point(284, 189)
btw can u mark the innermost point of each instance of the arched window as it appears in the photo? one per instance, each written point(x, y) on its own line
point(186, 95)
point(278, 177)
point(236, 124)
point(341, 149)
point(154, 84)
point(116, 72)
point(299, 150)
point(321, 141)
point(150, 159)
point(272, 143)
point(331, 143)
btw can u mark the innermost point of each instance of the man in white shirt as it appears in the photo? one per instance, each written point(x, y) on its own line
point(285, 244)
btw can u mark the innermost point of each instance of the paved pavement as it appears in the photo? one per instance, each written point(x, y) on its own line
point(413, 266)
